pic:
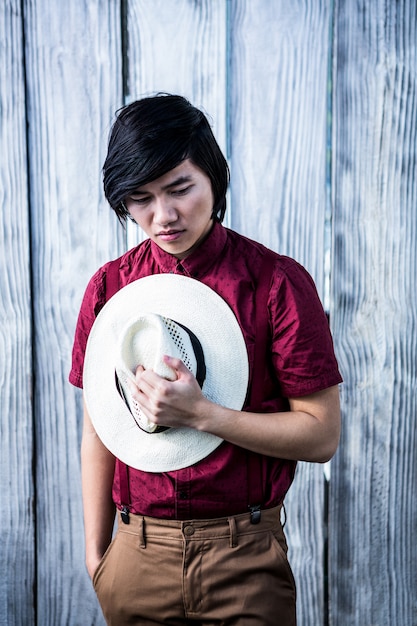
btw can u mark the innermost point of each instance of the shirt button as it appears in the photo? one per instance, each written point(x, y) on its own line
point(183, 495)
point(188, 531)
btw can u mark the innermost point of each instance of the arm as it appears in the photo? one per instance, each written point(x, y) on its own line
point(309, 431)
point(97, 469)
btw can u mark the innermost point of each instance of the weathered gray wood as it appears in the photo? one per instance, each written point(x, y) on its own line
point(179, 47)
point(278, 87)
point(373, 552)
point(17, 554)
point(260, 70)
point(73, 61)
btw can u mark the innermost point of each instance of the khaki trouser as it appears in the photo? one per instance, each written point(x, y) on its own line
point(225, 572)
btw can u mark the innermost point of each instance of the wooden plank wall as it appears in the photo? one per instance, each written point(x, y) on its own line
point(74, 84)
point(373, 574)
point(261, 70)
point(17, 525)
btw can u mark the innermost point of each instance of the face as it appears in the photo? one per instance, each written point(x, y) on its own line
point(175, 210)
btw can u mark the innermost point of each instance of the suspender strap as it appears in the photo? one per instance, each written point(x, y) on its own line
point(254, 461)
point(112, 286)
point(112, 278)
point(261, 330)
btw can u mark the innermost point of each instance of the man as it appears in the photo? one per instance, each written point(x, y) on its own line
point(165, 171)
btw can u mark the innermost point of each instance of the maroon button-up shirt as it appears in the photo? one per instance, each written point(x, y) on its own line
point(302, 361)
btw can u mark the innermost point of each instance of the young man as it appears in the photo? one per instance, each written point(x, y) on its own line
point(165, 171)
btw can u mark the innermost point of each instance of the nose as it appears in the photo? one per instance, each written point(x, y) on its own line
point(165, 213)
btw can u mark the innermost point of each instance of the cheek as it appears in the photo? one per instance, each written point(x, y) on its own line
point(139, 217)
point(205, 210)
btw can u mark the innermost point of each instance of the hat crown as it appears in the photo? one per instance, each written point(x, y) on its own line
point(144, 341)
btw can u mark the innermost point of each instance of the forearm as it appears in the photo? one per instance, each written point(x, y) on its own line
point(308, 432)
point(97, 470)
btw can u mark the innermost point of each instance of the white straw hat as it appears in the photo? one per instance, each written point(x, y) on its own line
point(152, 316)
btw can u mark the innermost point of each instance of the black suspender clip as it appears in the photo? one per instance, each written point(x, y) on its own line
point(255, 513)
point(125, 515)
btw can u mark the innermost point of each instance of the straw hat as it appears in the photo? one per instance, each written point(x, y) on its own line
point(157, 315)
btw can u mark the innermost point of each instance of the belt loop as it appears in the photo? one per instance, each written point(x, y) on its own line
point(142, 540)
point(233, 534)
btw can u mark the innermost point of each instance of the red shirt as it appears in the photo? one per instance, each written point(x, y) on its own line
point(302, 362)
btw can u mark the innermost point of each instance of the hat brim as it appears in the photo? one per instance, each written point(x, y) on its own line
point(199, 308)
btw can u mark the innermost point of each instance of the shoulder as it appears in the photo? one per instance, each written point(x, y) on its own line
point(129, 259)
point(255, 253)
point(95, 293)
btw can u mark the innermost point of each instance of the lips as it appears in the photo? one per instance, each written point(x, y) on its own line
point(170, 235)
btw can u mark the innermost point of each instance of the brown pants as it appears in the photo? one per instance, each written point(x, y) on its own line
point(224, 572)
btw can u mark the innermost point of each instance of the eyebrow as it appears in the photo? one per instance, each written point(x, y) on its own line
point(178, 181)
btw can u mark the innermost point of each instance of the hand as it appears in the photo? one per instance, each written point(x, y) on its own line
point(92, 564)
point(169, 403)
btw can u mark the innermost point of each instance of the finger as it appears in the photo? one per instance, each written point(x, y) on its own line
point(176, 364)
point(145, 376)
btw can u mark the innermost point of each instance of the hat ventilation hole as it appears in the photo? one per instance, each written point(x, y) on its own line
point(136, 407)
point(176, 338)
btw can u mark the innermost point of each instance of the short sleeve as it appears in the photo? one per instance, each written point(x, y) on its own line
point(302, 346)
point(92, 303)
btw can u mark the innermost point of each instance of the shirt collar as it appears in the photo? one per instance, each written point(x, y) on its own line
point(200, 261)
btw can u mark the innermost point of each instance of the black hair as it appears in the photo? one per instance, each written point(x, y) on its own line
point(154, 135)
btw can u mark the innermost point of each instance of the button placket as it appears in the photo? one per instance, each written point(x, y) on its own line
point(192, 563)
point(182, 494)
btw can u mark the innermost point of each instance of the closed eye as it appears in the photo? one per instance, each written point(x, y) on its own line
point(181, 192)
point(139, 200)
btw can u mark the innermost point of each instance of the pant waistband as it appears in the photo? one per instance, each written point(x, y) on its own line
point(197, 529)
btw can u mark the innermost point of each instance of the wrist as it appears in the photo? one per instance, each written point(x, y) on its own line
point(92, 560)
point(210, 417)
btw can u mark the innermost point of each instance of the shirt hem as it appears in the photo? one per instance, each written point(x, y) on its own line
point(324, 382)
point(75, 379)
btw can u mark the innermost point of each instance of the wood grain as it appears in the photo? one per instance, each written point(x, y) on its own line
point(17, 519)
point(373, 555)
point(73, 62)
